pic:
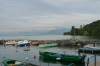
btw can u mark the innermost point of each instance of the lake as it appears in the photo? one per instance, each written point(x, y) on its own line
point(10, 52)
point(49, 37)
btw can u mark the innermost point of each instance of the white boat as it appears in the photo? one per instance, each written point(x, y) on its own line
point(10, 43)
point(26, 48)
point(23, 43)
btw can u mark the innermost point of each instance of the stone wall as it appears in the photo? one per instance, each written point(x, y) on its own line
point(67, 42)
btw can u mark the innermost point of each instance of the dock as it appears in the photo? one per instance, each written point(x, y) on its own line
point(97, 63)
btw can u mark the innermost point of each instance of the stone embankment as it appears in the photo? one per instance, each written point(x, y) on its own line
point(67, 42)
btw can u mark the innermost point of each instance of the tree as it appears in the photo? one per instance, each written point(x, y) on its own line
point(85, 33)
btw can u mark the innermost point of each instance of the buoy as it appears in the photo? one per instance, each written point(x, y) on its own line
point(26, 59)
point(34, 56)
point(58, 50)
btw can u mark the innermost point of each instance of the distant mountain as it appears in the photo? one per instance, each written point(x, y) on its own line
point(59, 31)
point(37, 32)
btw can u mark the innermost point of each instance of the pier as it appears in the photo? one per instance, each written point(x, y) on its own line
point(93, 64)
point(66, 42)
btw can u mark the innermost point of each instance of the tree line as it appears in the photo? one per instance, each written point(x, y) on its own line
point(92, 29)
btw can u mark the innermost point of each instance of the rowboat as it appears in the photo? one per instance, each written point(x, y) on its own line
point(89, 50)
point(62, 57)
point(48, 45)
point(61, 62)
point(10, 62)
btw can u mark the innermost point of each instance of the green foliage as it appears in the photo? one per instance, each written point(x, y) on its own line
point(85, 33)
point(91, 29)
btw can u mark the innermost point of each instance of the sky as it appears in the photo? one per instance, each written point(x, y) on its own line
point(24, 15)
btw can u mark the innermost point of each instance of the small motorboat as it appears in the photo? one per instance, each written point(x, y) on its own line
point(11, 62)
point(23, 43)
point(26, 49)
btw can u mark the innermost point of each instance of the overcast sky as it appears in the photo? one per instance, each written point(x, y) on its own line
point(23, 15)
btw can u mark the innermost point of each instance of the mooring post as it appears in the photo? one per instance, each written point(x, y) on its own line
point(94, 45)
point(95, 60)
point(87, 61)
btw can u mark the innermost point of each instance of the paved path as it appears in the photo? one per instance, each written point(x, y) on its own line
point(97, 63)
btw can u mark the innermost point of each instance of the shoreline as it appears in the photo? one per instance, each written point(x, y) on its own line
point(66, 42)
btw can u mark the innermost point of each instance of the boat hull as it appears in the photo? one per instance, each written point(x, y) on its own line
point(89, 50)
point(61, 57)
point(10, 62)
point(48, 45)
point(23, 44)
point(34, 44)
point(61, 62)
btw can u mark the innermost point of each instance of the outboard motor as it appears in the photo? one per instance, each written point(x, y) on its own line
point(83, 57)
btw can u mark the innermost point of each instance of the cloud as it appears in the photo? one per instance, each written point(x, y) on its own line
point(26, 15)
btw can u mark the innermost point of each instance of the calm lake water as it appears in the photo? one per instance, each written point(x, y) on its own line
point(49, 37)
point(10, 52)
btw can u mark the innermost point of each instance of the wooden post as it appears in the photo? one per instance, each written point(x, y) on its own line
point(87, 61)
point(95, 60)
point(94, 45)
point(92, 51)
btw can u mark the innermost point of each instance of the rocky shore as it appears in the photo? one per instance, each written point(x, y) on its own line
point(67, 42)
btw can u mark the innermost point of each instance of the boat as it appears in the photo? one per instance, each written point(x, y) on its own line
point(10, 43)
point(44, 60)
point(62, 57)
point(89, 50)
point(26, 48)
point(48, 45)
point(11, 62)
point(34, 43)
point(23, 43)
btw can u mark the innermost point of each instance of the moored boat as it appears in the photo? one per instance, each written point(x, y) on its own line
point(26, 49)
point(48, 45)
point(23, 43)
point(89, 50)
point(10, 43)
point(44, 60)
point(34, 44)
point(62, 57)
point(11, 62)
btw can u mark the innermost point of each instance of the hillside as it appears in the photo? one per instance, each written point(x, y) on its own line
point(92, 29)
